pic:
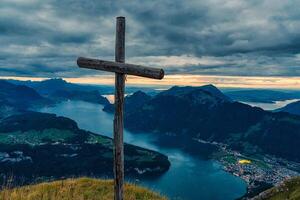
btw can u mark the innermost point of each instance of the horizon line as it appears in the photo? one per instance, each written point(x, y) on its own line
point(183, 80)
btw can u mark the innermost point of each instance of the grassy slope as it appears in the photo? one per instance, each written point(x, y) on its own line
point(289, 190)
point(76, 189)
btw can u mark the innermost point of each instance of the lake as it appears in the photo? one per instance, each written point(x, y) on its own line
point(188, 178)
point(272, 106)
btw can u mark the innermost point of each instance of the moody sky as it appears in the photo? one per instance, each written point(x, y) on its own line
point(256, 42)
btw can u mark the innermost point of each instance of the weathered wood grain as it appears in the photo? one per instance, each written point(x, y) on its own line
point(119, 104)
point(118, 67)
point(121, 69)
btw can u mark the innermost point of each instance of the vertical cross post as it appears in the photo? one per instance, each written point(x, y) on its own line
point(119, 104)
point(120, 68)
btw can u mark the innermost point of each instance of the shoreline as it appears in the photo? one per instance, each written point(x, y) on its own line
point(259, 172)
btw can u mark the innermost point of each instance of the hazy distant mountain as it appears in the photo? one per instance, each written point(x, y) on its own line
point(20, 97)
point(93, 96)
point(205, 113)
point(59, 89)
point(49, 86)
point(262, 96)
point(293, 108)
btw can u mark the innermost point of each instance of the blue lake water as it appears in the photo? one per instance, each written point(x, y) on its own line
point(272, 106)
point(188, 178)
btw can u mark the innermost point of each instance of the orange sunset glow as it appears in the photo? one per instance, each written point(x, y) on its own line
point(191, 80)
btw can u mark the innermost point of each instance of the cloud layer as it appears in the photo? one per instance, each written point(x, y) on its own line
point(215, 37)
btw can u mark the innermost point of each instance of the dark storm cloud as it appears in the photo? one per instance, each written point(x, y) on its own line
point(236, 37)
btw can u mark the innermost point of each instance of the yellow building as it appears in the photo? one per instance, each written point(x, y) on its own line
point(244, 161)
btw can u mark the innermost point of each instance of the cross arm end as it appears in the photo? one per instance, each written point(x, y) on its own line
point(123, 68)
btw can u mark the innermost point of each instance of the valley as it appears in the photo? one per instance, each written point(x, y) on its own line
point(39, 146)
point(235, 128)
point(198, 130)
point(195, 171)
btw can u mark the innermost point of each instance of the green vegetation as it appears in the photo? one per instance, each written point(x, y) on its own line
point(261, 164)
point(34, 137)
point(94, 139)
point(289, 190)
point(256, 161)
point(39, 145)
point(230, 159)
point(76, 189)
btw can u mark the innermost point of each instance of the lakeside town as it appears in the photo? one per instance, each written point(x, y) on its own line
point(265, 171)
point(259, 174)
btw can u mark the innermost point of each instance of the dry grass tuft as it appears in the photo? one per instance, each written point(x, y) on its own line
point(76, 189)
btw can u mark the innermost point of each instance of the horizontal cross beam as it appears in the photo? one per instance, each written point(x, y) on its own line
point(123, 68)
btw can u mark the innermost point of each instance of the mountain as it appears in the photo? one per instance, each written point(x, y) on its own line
point(289, 190)
point(262, 95)
point(49, 86)
point(93, 96)
point(39, 145)
point(59, 90)
point(177, 105)
point(293, 108)
point(132, 102)
point(19, 96)
point(208, 91)
point(203, 113)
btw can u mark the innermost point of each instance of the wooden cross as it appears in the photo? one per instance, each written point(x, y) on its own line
point(121, 69)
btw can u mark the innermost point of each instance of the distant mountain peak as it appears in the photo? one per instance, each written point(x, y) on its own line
point(138, 94)
point(204, 90)
point(19, 96)
point(55, 81)
point(213, 90)
point(209, 87)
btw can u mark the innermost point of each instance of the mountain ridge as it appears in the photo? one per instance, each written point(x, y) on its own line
point(58, 90)
point(38, 145)
point(197, 113)
point(292, 108)
point(20, 96)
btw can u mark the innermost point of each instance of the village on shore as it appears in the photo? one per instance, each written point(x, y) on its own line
point(265, 170)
